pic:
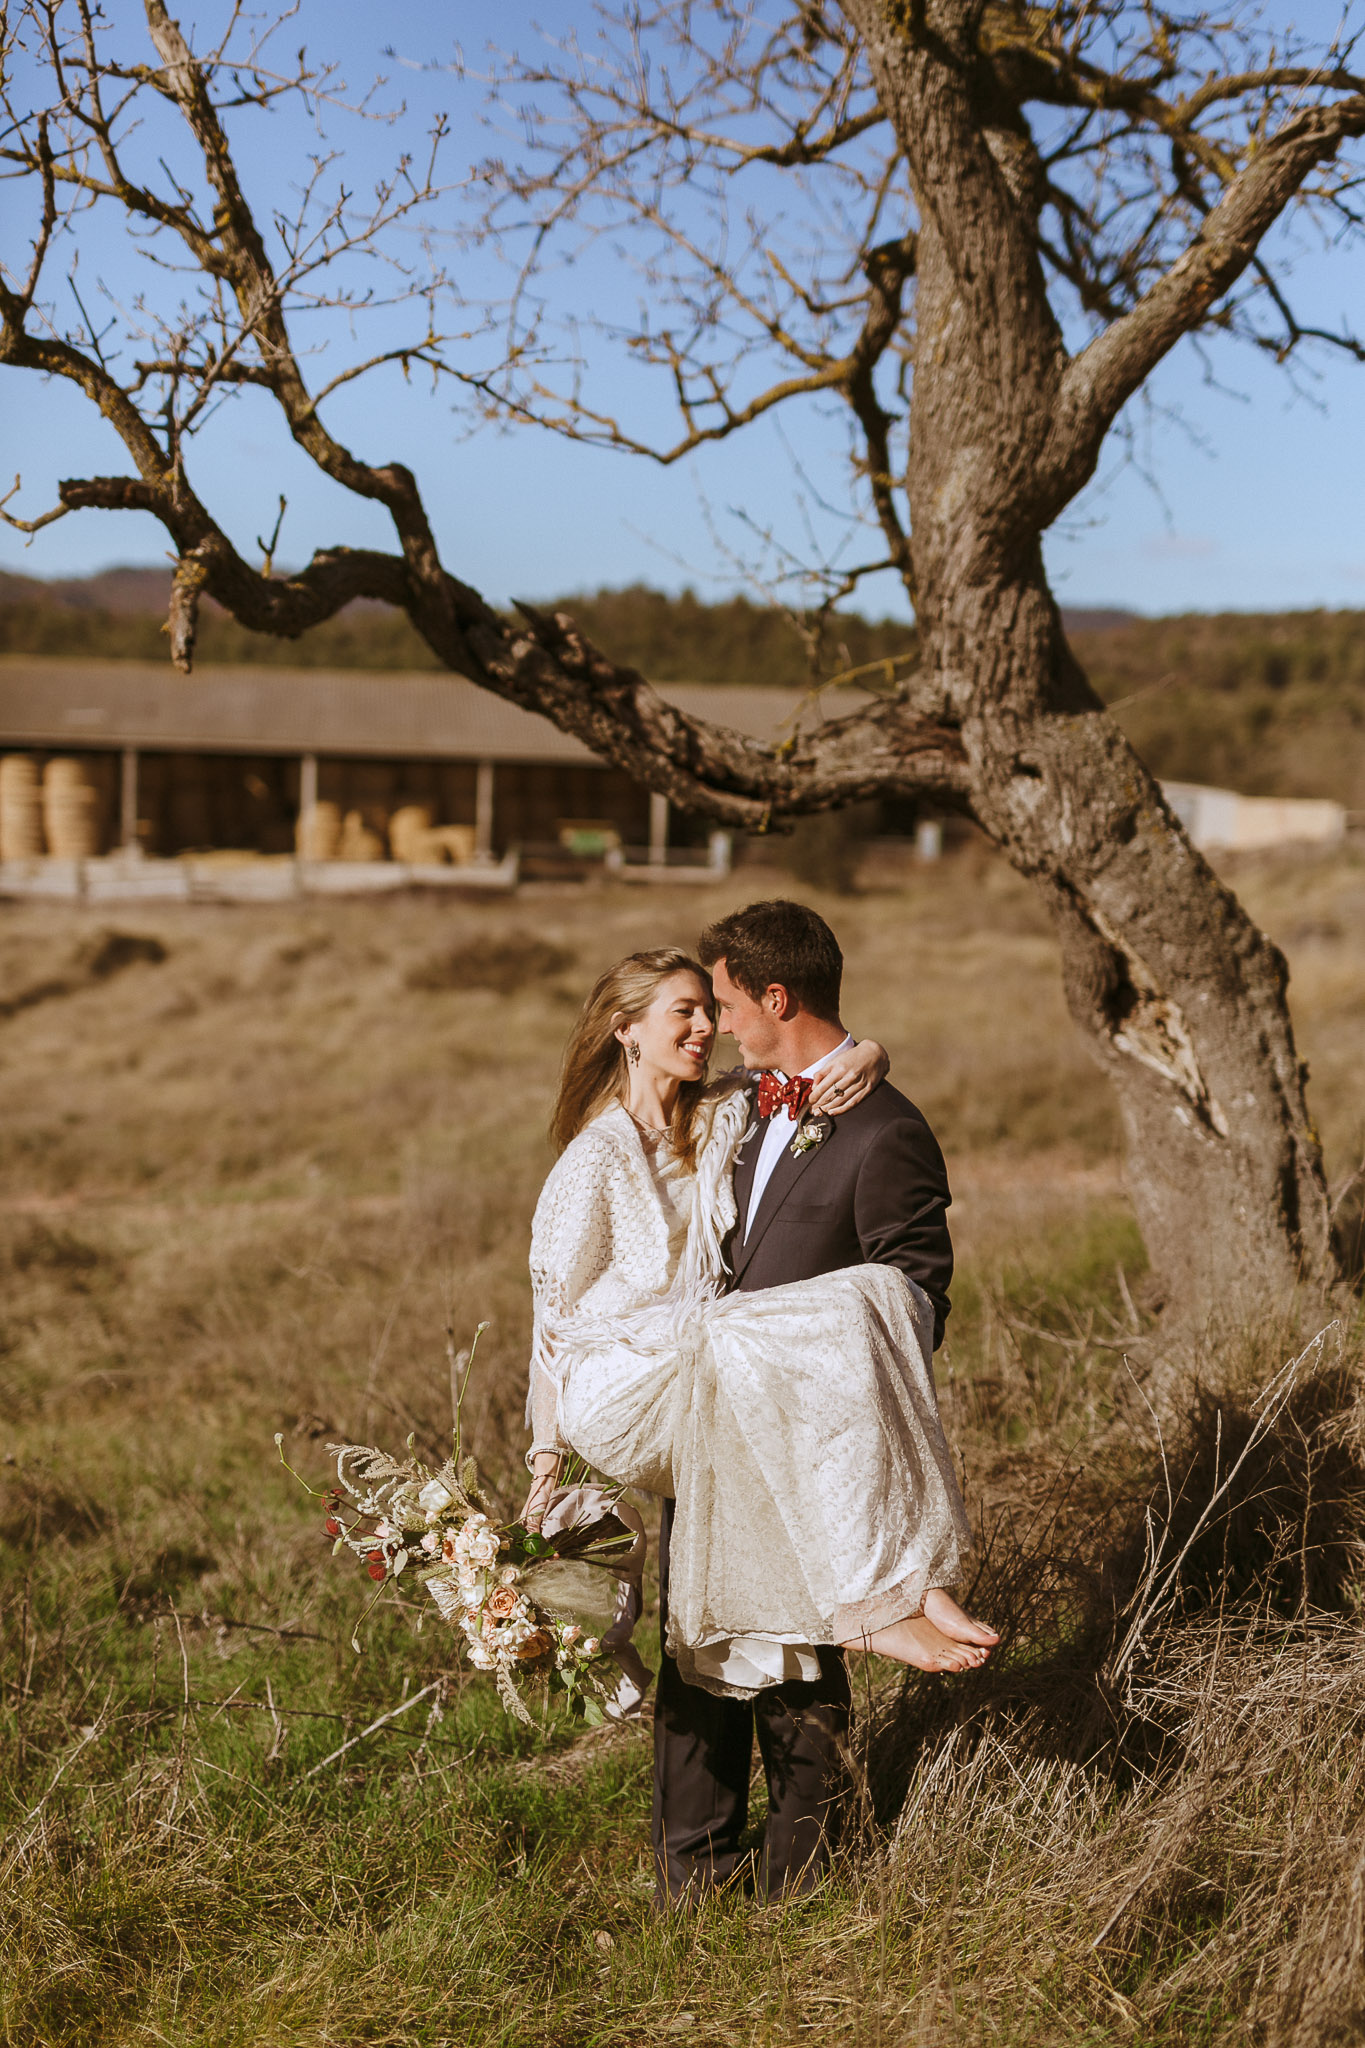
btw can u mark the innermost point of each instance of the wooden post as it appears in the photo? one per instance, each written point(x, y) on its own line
point(658, 830)
point(483, 811)
point(308, 804)
point(129, 843)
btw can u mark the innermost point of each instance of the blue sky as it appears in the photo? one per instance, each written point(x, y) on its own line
point(1259, 503)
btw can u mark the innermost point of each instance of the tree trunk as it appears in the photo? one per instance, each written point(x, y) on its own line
point(1179, 997)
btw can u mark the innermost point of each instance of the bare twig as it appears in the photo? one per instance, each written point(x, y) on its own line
point(1159, 1580)
point(392, 1715)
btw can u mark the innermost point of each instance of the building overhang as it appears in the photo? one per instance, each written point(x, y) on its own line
point(83, 706)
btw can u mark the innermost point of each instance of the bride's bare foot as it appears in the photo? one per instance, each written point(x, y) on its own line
point(916, 1641)
point(950, 1620)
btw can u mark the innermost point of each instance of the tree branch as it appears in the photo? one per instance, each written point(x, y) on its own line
point(1099, 382)
point(29, 525)
point(250, 274)
point(883, 748)
point(888, 269)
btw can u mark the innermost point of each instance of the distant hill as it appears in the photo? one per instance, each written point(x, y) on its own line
point(119, 613)
point(1269, 703)
point(121, 590)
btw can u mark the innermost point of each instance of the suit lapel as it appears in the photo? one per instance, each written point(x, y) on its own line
point(787, 1172)
point(746, 1161)
point(746, 1165)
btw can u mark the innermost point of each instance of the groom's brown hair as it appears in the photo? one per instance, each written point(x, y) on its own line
point(780, 942)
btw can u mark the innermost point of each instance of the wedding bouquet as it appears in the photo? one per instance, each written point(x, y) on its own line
point(515, 1594)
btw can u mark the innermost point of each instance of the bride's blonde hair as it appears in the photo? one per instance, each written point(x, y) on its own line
point(594, 1073)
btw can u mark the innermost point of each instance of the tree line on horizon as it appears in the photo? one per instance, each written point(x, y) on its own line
point(1271, 703)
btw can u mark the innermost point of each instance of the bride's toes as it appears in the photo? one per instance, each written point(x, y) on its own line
point(917, 1642)
point(929, 1649)
point(952, 1621)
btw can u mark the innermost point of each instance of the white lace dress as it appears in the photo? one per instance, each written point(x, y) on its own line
point(796, 1427)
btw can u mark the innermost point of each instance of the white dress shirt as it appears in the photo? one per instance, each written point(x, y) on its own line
point(781, 1129)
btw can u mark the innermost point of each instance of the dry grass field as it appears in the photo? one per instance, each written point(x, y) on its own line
point(255, 1161)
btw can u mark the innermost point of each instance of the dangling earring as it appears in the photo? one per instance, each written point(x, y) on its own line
point(632, 1052)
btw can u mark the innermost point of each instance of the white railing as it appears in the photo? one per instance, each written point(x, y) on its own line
point(672, 863)
point(115, 878)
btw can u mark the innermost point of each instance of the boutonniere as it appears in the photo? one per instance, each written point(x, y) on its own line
point(812, 1131)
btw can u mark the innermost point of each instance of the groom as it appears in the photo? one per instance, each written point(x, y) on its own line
point(870, 1188)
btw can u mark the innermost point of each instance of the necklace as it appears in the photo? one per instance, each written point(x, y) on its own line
point(652, 1133)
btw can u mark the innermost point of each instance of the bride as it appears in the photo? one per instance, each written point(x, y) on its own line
point(796, 1427)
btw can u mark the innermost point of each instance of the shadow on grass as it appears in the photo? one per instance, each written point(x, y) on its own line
point(1252, 1517)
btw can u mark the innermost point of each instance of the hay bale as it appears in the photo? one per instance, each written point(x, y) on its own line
point(453, 843)
point(71, 811)
point(409, 831)
point(317, 835)
point(21, 808)
point(360, 838)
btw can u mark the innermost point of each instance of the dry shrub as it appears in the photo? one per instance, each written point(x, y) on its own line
point(1289, 1537)
point(110, 952)
point(36, 1245)
point(1214, 1894)
point(36, 992)
point(35, 1507)
point(1257, 1510)
point(97, 958)
point(502, 965)
point(1348, 1225)
point(1160, 1768)
point(1321, 2001)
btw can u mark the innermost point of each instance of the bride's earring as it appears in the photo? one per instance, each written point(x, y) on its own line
point(632, 1052)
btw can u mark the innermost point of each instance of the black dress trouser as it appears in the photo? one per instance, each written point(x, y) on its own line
point(703, 1745)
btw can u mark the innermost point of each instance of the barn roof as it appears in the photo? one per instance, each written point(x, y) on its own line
point(82, 705)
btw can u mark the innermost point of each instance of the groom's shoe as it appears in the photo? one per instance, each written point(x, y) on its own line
point(703, 1886)
point(787, 1883)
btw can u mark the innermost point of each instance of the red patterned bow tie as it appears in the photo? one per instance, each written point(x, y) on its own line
point(789, 1095)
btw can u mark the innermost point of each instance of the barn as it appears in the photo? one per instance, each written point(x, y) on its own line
point(130, 762)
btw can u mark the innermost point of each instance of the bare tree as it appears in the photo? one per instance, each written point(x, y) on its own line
point(1011, 215)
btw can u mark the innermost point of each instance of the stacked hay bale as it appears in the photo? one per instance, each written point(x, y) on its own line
point(410, 834)
point(71, 810)
point(415, 839)
point(21, 808)
point(359, 838)
point(369, 788)
point(453, 843)
point(317, 835)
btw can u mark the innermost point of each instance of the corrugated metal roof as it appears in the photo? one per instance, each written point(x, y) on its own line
point(82, 705)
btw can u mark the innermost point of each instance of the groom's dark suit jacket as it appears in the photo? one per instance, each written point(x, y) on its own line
point(874, 1191)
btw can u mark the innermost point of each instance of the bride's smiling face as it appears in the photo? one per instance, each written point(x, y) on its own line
point(676, 1033)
